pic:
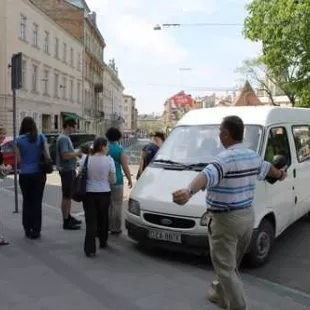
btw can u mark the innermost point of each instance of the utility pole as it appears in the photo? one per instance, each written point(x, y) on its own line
point(16, 83)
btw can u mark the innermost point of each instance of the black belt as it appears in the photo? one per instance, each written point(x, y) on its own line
point(225, 210)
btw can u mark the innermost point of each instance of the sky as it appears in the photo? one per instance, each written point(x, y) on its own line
point(154, 65)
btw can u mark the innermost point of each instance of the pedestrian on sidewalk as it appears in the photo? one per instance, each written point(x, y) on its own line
point(116, 151)
point(100, 173)
point(66, 161)
point(150, 150)
point(231, 181)
point(31, 179)
point(3, 172)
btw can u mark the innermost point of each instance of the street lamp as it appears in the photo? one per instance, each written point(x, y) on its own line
point(161, 26)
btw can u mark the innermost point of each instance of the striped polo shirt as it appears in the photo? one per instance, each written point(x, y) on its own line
point(232, 178)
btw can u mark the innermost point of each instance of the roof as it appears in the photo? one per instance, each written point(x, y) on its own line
point(81, 4)
point(247, 97)
point(255, 115)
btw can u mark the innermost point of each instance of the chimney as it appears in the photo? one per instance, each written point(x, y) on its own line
point(94, 17)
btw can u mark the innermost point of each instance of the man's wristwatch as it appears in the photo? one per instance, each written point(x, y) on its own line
point(191, 192)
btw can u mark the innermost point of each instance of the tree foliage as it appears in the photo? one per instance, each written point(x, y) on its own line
point(283, 28)
point(257, 74)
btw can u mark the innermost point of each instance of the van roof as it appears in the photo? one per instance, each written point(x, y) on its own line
point(258, 115)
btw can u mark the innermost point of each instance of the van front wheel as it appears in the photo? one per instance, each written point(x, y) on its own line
point(261, 244)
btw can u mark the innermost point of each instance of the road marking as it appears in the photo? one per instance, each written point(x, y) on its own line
point(278, 286)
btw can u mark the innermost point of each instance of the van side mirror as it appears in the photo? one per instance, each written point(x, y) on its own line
point(279, 161)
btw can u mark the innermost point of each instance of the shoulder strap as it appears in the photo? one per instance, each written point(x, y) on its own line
point(86, 162)
point(41, 141)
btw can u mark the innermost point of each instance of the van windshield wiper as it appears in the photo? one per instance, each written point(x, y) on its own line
point(170, 162)
point(198, 165)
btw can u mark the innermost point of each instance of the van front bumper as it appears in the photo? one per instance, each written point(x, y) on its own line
point(190, 242)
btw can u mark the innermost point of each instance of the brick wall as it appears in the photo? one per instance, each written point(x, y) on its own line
point(66, 15)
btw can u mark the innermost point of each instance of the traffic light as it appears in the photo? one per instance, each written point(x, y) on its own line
point(16, 68)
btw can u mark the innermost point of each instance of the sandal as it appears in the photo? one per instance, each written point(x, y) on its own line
point(3, 241)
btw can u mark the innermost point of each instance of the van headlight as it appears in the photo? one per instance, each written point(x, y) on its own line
point(204, 219)
point(134, 207)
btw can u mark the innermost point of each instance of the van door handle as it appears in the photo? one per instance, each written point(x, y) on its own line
point(294, 173)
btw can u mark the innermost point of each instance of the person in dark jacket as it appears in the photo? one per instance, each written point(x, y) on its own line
point(150, 150)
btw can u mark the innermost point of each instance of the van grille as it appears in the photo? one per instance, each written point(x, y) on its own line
point(168, 221)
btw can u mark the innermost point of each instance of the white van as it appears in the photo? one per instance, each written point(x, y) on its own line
point(192, 144)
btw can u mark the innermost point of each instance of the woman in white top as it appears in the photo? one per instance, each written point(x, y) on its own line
point(100, 174)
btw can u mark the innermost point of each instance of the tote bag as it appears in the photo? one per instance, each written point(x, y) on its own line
point(79, 183)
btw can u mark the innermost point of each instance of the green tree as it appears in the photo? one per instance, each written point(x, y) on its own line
point(257, 74)
point(283, 28)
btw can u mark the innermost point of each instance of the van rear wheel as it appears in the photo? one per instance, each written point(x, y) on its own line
point(261, 244)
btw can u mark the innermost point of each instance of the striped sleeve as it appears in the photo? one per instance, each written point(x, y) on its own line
point(215, 172)
point(264, 170)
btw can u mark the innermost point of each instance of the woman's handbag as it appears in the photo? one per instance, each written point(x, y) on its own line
point(46, 164)
point(79, 183)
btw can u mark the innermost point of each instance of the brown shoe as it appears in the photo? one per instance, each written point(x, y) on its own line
point(215, 299)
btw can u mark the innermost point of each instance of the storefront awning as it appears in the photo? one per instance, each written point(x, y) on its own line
point(72, 115)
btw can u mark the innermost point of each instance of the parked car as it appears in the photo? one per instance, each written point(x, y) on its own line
point(77, 139)
point(152, 216)
point(7, 149)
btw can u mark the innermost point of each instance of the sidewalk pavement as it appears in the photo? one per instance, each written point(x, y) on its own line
point(52, 273)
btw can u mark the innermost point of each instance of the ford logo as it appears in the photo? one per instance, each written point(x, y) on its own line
point(166, 222)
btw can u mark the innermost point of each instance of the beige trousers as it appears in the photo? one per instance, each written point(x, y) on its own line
point(229, 236)
point(116, 209)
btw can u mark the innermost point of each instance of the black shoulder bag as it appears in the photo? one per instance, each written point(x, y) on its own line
point(79, 183)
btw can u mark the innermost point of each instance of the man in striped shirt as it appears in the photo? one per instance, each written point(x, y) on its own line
point(230, 181)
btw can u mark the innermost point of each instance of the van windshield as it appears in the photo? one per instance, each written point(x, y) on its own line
point(200, 144)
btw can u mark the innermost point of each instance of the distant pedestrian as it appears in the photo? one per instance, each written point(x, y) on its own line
point(3, 172)
point(31, 179)
point(3, 137)
point(101, 173)
point(66, 160)
point(150, 150)
point(231, 181)
point(116, 151)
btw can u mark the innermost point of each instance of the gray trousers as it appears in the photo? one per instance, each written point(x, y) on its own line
point(229, 236)
point(116, 208)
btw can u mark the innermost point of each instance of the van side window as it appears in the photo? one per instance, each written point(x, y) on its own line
point(301, 136)
point(278, 144)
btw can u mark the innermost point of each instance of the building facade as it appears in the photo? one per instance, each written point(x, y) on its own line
point(176, 106)
point(130, 114)
point(52, 81)
point(113, 102)
point(76, 17)
point(148, 124)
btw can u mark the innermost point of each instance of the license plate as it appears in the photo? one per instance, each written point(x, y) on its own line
point(164, 235)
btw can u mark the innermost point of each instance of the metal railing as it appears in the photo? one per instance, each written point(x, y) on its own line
point(126, 142)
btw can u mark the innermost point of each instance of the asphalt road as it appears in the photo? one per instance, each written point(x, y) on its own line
point(289, 264)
